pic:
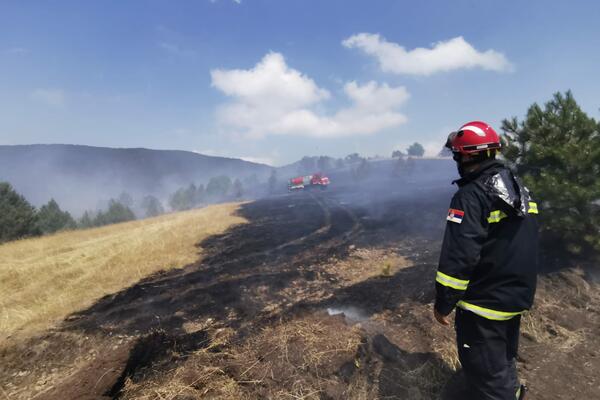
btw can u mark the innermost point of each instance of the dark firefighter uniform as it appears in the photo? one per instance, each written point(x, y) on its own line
point(488, 270)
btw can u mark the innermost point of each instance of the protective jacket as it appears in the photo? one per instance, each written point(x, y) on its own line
point(488, 262)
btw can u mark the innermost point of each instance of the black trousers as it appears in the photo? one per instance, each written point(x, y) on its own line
point(487, 351)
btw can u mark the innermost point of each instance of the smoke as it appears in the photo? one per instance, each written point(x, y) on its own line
point(84, 178)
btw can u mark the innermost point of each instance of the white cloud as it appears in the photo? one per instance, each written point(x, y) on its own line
point(448, 55)
point(51, 97)
point(274, 99)
point(269, 80)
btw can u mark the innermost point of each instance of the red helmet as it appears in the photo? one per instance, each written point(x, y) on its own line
point(473, 137)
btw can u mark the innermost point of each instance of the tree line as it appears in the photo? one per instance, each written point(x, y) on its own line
point(20, 219)
point(354, 160)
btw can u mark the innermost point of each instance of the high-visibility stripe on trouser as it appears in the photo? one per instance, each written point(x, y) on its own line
point(488, 312)
point(454, 283)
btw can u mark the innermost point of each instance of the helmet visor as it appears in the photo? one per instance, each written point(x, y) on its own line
point(450, 139)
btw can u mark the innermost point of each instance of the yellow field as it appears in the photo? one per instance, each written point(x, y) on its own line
point(43, 280)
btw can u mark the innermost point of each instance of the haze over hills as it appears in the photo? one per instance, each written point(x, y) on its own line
point(82, 177)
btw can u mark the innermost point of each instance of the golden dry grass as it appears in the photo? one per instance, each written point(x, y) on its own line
point(42, 280)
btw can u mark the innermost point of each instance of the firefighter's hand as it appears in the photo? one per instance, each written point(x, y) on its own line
point(442, 319)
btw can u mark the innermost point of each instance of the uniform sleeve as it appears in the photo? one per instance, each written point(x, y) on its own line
point(466, 231)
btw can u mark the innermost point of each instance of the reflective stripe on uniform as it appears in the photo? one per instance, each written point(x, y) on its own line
point(532, 208)
point(454, 283)
point(496, 216)
point(487, 312)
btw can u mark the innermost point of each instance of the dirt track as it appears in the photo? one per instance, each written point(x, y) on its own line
point(318, 297)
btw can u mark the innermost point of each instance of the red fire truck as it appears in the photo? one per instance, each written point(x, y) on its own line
point(309, 181)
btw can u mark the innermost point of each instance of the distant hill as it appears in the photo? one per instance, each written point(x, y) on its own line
point(81, 177)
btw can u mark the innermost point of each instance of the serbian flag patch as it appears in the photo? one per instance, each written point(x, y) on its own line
point(455, 215)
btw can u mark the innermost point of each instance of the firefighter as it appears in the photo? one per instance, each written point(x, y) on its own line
point(488, 264)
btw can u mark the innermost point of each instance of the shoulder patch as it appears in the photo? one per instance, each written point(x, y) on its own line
point(455, 215)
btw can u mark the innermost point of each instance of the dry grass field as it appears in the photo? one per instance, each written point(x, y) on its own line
point(42, 280)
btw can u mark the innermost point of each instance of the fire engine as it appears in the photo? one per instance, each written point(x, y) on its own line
point(308, 181)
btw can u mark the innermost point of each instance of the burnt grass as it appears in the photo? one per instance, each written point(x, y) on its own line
point(275, 272)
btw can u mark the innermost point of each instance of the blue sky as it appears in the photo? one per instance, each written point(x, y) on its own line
point(276, 80)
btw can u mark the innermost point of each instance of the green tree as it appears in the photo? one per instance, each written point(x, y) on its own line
point(152, 206)
point(52, 219)
point(86, 220)
point(415, 150)
point(218, 187)
point(556, 150)
point(397, 154)
point(115, 213)
point(18, 218)
point(183, 199)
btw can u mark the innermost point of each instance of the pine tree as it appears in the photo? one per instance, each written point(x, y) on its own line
point(18, 218)
point(181, 200)
point(556, 150)
point(52, 219)
point(152, 206)
point(218, 187)
point(116, 213)
point(86, 220)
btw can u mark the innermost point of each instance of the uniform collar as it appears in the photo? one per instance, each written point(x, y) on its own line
point(484, 168)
